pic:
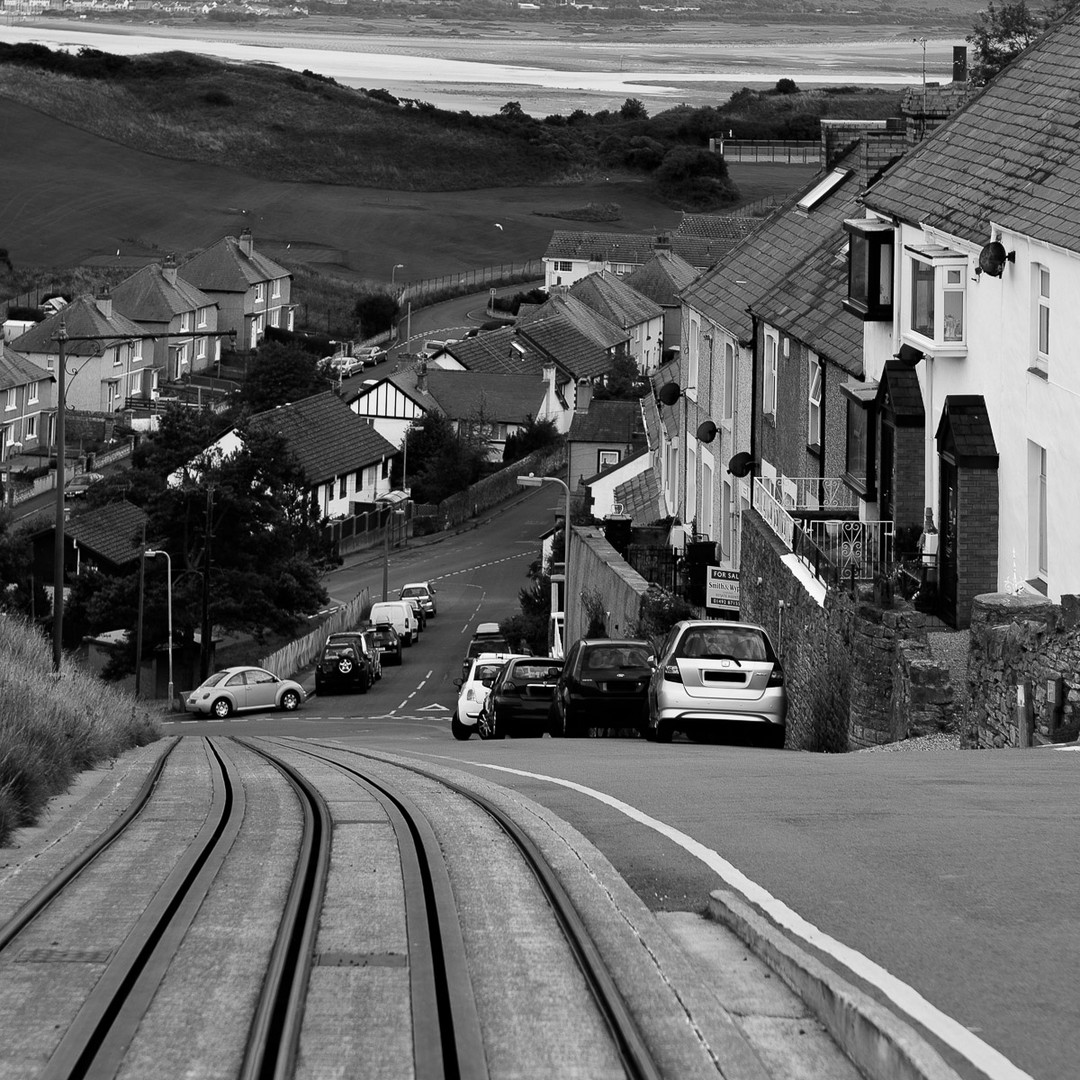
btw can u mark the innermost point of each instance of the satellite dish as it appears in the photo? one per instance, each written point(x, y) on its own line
point(741, 464)
point(993, 257)
point(669, 393)
point(706, 431)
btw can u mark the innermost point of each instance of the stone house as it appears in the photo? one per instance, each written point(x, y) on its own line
point(251, 291)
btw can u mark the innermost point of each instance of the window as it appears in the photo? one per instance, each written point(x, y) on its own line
point(136, 351)
point(938, 287)
point(564, 265)
point(706, 493)
point(32, 393)
point(768, 392)
point(694, 345)
point(859, 453)
point(276, 289)
point(1042, 317)
point(822, 188)
point(185, 321)
point(729, 380)
point(10, 399)
point(200, 348)
point(260, 292)
point(1038, 560)
point(870, 269)
point(725, 519)
point(203, 316)
point(343, 486)
point(31, 427)
point(813, 406)
point(606, 458)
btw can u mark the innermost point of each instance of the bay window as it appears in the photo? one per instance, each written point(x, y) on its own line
point(937, 300)
point(870, 269)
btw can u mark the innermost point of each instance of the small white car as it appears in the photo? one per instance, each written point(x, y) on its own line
point(239, 689)
point(423, 591)
point(474, 689)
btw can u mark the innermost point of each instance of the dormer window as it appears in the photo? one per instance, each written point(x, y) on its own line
point(936, 309)
point(870, 269)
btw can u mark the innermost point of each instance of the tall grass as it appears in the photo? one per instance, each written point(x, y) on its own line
point(53, 728)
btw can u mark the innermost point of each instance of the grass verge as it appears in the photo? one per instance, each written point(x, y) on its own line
point(53, 728)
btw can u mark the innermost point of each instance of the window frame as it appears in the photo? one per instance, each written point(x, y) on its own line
point(260, 292)
point(864, 481)
point(947, 271)
point(1040, 362)
point(728, 406)
point(871, 244)
point(11, 399)
point(815, 377)
point(770, 373)
point(33, 391)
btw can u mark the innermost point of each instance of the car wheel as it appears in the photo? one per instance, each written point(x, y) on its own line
point(664, 731)
point(572, 725)
point(399, 657)
point(555, 724)
point(498, 731)
point(460, 730)
point(365, 683)
point(290, 701)
point(345, 665)
point(221, 708)
point(318, 685)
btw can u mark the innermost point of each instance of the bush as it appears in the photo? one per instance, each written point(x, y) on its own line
point(217, 97)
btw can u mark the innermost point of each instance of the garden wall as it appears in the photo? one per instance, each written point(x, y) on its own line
point(1023, 641)
point(603, 583)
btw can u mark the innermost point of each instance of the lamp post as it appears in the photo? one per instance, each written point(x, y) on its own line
point(537, 481)
point(386, 550)
point(168, 571)
point(397, 267)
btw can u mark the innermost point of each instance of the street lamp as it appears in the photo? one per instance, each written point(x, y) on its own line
point(397, 267)
point(386, 550)
point(168, 571)
point(537, 481)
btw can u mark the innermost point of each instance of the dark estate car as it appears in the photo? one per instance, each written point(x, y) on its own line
point(604, 683)
point(520, 698)
point(388, 642)
point(345, 664)
point(488, 638)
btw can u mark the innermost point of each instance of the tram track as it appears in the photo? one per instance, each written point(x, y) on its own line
point(448, 1039)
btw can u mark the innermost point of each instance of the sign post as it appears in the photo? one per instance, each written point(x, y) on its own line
point(722, 590)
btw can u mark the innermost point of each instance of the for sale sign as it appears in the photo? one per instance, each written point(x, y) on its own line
point(722, 589)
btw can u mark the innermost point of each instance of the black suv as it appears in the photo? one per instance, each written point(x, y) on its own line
point(345, 664)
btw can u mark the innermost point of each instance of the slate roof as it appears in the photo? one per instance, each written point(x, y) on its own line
point(762, 262)
point(1012, 157)
point(81, 318)
point(112, 531)
point(965, 430)
point(504, 399)
point(493, 353)
point(640, 497)
point(900, 383)
point(574, 336)
point(17, 370)
point(697, 248)
point(662, 278)
point(149, 296)
point(326, 436)
point(608, 422)
point(617, 301)
point(807, 304)
point(224, 267)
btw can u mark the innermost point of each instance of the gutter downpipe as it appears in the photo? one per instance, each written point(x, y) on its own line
point(753, 396)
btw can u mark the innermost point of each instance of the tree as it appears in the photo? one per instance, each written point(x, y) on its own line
point(513, 110)
point(444, 461)
point(534, 435)
point(999, 35)
point(632, 109)
point(623, 382)
point(786, 86)
point(694, 178)
point(377, 312)
point(281, 373)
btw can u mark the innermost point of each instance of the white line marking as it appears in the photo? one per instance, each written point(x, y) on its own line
point(980, 1054)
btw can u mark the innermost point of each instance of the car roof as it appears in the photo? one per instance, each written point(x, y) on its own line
point(416, 584)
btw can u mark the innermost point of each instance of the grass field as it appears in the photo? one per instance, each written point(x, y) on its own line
point(69, 197)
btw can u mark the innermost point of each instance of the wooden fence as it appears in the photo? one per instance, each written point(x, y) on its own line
point(290, 658)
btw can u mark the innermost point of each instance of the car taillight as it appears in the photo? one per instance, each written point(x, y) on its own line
point(470, 695)
point(672, 673)
point(510, 688)
point(776, 676)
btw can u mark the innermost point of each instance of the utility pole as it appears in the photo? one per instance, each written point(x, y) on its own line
point(204, 652)
point(139, 623)
point(58, 539)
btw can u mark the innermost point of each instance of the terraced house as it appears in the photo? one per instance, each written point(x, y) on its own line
point(27, 410)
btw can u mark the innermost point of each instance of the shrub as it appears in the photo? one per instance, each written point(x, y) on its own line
point(217, 97)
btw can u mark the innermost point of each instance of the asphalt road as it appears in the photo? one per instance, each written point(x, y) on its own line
point(953, 872)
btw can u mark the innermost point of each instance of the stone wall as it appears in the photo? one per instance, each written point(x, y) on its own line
point(858, 672)
point(1017, 640)
point(598, 569)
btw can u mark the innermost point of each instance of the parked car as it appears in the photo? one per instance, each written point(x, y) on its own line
point(473, 691)
point(242, 689)
point(373, 652)
point(400, 615)
point(341, 367)
point(418, 611)
point(78, 486)
point(712, 676)
point(370, 355)
point(519, 700)
point(345, 663)
point(386, 640)
point(603, 683)
point(424, 591)
point(487, 638)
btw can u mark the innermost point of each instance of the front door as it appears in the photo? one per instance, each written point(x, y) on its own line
point(885, 472)
point(947, 516)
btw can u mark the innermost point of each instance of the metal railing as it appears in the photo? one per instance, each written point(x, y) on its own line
point(777, 151)
point(772, 511)
point(815, 493)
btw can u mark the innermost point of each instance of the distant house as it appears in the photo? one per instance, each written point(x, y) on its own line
point(106, 538)
point(252, 291)
point(27, 409)
point(346, 462)
point(184, 317)
point(602, 434)
point(662, 279)
point(641, 318)
point(107, 359)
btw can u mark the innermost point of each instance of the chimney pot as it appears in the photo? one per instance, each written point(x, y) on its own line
point(104, 303)
point(247, 244)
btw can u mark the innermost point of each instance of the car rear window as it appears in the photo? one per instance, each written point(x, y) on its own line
point(340, 649)
point(741, 643)
point(532, 672)
point(487, 645)
point(613, 657)
point(486, 671)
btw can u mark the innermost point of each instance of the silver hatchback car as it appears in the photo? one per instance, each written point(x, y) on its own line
point(713, 676)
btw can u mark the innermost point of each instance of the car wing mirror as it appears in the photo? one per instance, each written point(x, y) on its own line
point(458, 683)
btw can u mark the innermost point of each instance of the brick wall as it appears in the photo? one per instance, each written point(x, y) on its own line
point(1018, 639)
point(908, 478)
point(976, 538)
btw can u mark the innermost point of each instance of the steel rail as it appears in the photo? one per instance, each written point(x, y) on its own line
point(447, 1039)
point(94, 1045)
point(274, 1036)
point(45, 895)
point(633, 1050)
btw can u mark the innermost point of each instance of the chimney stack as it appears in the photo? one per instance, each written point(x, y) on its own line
point(584, 396)
point(247, 245)
point(104, 303)
point(421, 375)
point(168, 268)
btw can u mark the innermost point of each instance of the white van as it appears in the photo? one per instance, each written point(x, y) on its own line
point(399, 614)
